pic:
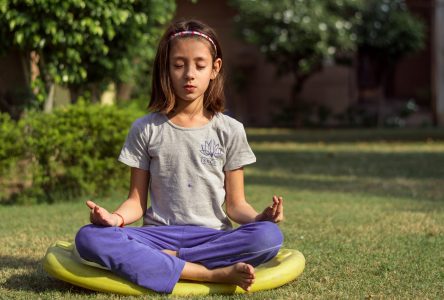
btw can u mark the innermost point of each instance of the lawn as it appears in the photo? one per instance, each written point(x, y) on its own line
point(365, 207)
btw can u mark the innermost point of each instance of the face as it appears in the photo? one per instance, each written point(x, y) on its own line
point(191, 68)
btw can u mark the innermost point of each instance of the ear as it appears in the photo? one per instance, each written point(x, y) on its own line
point(217, 65)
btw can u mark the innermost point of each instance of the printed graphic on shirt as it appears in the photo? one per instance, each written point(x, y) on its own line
point(211, 152)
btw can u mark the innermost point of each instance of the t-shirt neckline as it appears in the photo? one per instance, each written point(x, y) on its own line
point(188, 128)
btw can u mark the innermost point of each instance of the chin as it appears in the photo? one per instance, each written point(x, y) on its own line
point(189, 98)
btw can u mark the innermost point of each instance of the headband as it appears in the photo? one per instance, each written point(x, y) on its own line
point(192, 32)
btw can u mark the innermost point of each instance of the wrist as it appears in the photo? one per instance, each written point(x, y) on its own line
point(120, 221)
point(258, 217)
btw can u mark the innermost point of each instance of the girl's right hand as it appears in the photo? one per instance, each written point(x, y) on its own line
point(100, 216)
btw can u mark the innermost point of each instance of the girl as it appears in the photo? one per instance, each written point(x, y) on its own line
point(189, 157)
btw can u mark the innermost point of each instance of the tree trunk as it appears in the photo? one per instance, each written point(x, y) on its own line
point(49, 85)
point(296, 90)
point(373, 80)
point(26, 66)
point(124, 91)
point(95, 93)
point(74, 93)
point(49, 101)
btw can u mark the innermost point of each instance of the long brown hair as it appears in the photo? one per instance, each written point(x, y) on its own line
point(163, 98)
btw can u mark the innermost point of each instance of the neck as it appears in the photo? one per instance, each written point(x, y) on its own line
point(190, 108)
point(189, 114)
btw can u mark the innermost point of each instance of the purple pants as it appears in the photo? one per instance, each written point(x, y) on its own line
point(134, 252)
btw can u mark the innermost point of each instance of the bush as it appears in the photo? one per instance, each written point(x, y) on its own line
point(11, 150)
point(11, 146)
point(73, 151)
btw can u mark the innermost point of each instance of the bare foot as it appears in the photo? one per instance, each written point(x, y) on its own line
point(241, 274)
point(170, 252)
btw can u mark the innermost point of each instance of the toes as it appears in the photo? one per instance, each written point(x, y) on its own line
point(246, 285)
point(246, 268)
point(242, 267)
point(249, 269)
point(248, 276)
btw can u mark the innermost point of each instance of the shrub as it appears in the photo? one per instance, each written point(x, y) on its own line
point(11, 150)
point(73, 151)
point(11, 146)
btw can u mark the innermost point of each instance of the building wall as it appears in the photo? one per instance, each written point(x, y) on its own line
point(413, 74)
point(438, 62)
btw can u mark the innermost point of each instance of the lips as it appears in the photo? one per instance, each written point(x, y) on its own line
point(189, 87)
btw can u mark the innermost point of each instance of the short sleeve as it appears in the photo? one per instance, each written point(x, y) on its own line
point(239, 152)
point(135, 150)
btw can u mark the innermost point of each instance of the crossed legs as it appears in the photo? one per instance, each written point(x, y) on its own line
point(156, 257)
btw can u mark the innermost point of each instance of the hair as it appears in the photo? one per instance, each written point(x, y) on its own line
point(163, 98)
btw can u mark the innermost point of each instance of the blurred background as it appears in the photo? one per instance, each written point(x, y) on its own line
point(75, 74)
point(345, 63)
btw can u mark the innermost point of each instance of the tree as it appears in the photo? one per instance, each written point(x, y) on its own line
point(85, 43)
point(297, 36)
point(386, 31)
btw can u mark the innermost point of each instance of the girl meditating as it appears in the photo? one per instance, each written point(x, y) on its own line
point(189, 157)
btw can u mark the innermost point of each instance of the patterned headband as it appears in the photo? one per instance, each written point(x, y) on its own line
point(192, 32)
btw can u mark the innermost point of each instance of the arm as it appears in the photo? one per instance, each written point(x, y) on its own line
point(239, 210)
point(131, 209)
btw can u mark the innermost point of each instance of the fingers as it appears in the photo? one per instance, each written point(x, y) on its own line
point(279, 213)
point(95, 209)
point(274, 212)
point(278, 209)
point(98, 215)
point(274, 206)
point(90, 204)
point(94, 215)
point(276, 200)
point(92, 207)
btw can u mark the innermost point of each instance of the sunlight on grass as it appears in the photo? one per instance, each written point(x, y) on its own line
point(367, 212)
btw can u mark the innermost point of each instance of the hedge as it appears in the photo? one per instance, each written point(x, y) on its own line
point(69, 152)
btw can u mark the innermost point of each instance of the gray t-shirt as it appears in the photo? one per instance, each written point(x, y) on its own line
point(187, 167)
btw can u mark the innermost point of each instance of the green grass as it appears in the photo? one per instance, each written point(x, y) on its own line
point(365, 207)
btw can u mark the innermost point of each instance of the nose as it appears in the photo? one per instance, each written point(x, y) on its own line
point(189, 74)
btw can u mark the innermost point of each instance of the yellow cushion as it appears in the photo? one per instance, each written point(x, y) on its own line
point(61, 263)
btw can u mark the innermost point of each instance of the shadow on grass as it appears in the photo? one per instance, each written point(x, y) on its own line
point(410, 175)
point(344, 135)
point(420, 165)
point(34, 279)
point(359, 187)
point(13, 262)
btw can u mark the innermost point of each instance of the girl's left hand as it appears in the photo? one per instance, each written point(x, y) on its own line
point(273, 213)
